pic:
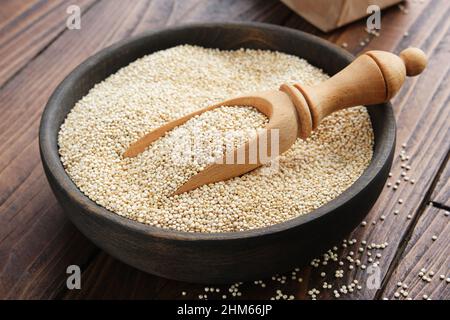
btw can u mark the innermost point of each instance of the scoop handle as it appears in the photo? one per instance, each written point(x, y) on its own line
point(373, 78)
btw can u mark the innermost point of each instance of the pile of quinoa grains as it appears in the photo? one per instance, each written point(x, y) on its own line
point(168, 84)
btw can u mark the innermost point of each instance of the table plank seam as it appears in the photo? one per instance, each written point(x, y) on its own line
point(440, 206)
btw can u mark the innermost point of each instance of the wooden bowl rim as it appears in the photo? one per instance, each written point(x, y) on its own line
point(50, 155)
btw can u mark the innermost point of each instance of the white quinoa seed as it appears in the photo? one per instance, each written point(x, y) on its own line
point(171, 83)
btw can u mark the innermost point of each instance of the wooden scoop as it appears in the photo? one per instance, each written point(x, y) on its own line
point(296, 110)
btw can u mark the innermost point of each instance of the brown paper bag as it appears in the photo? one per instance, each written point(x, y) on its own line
point(328, 15)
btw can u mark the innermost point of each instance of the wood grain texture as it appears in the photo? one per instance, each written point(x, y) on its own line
point(12, 9)
point(441, 193)
point(37, 242)
point(27, 31)
point(424, 252)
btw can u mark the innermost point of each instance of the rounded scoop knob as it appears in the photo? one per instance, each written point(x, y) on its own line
point(415, 61)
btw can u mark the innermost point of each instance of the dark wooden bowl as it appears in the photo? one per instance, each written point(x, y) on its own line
point(219, 257)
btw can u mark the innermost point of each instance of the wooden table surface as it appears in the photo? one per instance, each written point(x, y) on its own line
point(37, 242)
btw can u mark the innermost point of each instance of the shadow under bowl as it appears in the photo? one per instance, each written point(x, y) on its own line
point(217, 257)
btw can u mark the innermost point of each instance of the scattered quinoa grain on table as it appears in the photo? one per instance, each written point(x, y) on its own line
point(171, 83)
